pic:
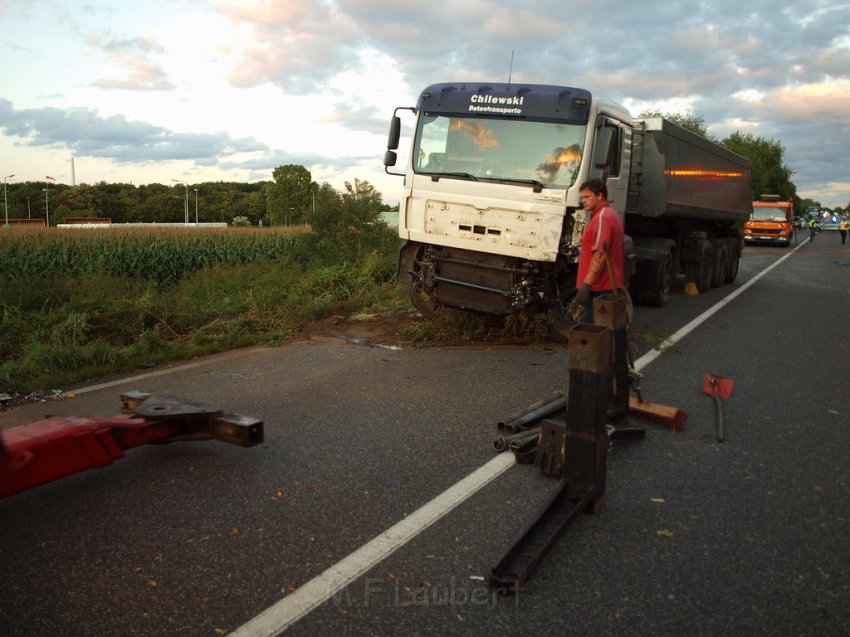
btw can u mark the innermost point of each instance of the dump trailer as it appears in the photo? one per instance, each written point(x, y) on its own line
point(772, 221)
point(490, 209)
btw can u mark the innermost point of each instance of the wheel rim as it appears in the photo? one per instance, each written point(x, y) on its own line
point(422, 301)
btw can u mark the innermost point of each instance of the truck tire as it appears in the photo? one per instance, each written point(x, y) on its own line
point(562, 320)
point(665, 281)
point(656, 291)
point(424, 303)
point(702, 271)
point(733, 261)
point(721, 265)
point(565, 313)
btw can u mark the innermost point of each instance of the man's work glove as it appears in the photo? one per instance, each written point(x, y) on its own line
point(583, 294)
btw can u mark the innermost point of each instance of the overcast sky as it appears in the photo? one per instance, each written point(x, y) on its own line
point(209, 90)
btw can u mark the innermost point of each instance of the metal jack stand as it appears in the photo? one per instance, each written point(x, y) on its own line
point(574, 451)
point(611, 311)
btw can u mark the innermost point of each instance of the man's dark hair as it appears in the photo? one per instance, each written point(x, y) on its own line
point(596, 186)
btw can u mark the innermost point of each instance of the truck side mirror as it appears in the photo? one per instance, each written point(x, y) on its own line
point(390, 156)
point(395, 134)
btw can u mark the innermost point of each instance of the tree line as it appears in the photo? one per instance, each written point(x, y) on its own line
point(290, 198)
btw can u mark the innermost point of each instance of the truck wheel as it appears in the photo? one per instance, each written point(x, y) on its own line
point(563, 319)
point(653, 288)
point(721, 265)
point(411, 262)
point(565, 313)
point(424, 303)
point(704, 270)
point(660, 292)
point(732, 263)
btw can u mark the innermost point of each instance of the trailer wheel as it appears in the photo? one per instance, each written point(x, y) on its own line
point(702, 271)
point(721, 265)
point(732, 265)
point(658, 294)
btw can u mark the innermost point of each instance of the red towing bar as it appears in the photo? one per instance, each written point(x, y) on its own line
point(55, 447)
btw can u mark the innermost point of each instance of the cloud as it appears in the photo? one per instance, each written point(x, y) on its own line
point(271, 160)
point(711, 56)
point(132, 56)
point(367, 118)
point(300, 45)
point(86, 133)
point(758, 66)
point(293, 44)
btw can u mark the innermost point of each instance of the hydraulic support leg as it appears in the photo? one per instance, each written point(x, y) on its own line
point(610, 311)
point(574, 451)
point(587, 434)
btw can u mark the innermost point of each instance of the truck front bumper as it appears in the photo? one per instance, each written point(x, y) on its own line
point(766, 239)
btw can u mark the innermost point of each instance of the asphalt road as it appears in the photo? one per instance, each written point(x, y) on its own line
point(748, 537)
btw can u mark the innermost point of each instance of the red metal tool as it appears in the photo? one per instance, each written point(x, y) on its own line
point(53, 448)
point(718, 387)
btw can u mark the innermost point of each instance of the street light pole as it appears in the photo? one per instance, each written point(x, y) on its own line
point(196, 206)
point(46, 202)
point(5, 200)
point(186, 205)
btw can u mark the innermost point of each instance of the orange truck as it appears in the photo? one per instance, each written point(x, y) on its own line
point(772, 221)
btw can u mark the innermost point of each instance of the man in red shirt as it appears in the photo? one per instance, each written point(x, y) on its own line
point(603, 233)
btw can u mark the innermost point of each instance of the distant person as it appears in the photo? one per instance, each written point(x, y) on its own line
point(603, 232)
point(814, 227)
point(843, 227)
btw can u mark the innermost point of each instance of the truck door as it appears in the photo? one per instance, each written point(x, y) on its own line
point(608, 159)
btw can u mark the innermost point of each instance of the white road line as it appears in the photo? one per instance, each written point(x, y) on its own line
point(678, 335)
point(293, 607)
point(133, 379)
point(280, 616)
point(171, 369)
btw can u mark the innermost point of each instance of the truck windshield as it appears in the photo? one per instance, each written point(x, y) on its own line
point(768, 213)
point(499, 149)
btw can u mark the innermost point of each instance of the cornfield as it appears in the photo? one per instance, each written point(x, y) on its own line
point(162, 255)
